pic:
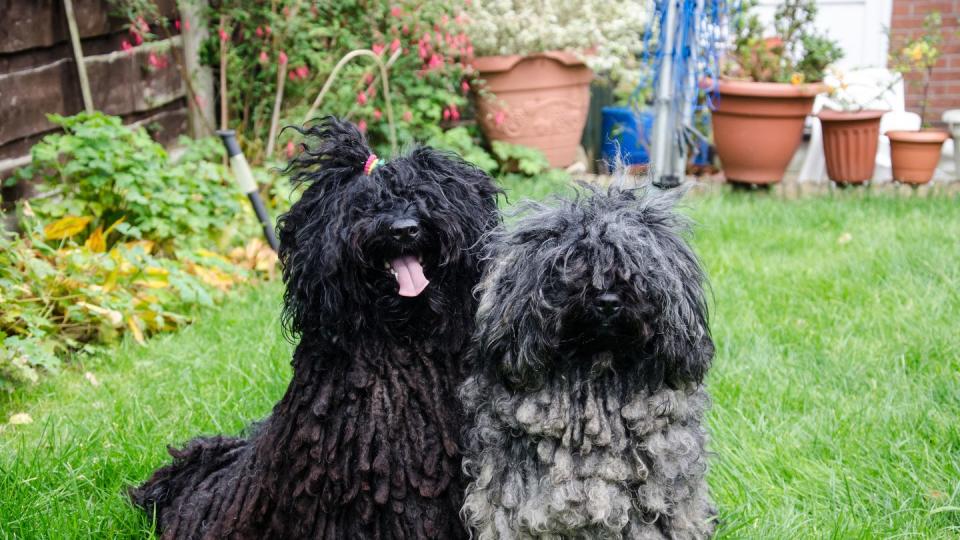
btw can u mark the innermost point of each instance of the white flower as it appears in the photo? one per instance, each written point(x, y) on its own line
point(608, 35)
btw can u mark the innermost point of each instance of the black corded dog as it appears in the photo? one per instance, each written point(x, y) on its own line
point(379, 263)
point(587, 401)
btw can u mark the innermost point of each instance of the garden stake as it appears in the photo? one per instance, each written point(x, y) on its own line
point(78, 56)
point(241, 172)
point(386, 87)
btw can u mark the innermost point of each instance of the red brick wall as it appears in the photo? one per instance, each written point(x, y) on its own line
point(906, 23)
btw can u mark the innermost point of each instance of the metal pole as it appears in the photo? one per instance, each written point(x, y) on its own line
point(78, 56)
point(663, 159)
point(244, 178)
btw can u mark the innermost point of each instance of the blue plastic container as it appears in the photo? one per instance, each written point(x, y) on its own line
point(622, 134)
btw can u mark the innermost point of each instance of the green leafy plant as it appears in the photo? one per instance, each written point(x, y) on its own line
point(121, 240)
point(257, 38)
point(125, 182)
point(461, 141)
point(796, 53)
point(919, 56)
point(62, 297)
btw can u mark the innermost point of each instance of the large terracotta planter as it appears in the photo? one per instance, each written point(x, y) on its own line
point(850, 144)
point(757, 128)
point(915, 154)
point(539, 101)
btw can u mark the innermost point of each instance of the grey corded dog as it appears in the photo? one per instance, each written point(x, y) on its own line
point(586, 402)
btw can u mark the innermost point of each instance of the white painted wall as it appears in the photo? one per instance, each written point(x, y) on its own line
point(859, 25)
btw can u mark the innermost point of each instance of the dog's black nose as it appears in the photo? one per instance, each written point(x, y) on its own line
point(405, 230)
point(608, 304)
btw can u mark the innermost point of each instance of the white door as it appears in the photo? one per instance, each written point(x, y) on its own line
point(860, 26)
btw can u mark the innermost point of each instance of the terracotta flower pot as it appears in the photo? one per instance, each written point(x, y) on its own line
point(850, 144)
point(757, 127)
point(915, 154)
point(539, 101)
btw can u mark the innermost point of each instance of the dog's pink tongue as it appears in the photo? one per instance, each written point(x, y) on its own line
point(409, 275)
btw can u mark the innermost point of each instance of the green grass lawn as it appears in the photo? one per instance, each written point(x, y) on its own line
point(836, 384)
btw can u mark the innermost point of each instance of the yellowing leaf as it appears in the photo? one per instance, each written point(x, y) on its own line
point(96, 242)
point(213, 277)
point(114, 317)
point(152, 283)
point(20, 419)
point(66, 227)
point(114, 226)
point(156, 271)
point(147, 245)
point(135, 330)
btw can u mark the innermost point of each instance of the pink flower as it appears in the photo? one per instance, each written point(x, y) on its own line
point(292, 75)
point(223, 35)
point(154, 61)
point(446, 113)
point(394, 45)
point(176, 24)
point(362, 125)
point(426, 38)
point(259, 31)
point(361, 98)
point(186, 24)
point(499, 118)
point(405, 29)
point(142, 25)
point(137, 38)
point(464, 86)
point(266, 30)
point(368, 78)
point(377, 49)
point(291, 149)
point(435, 62)
point(126, 46)
point(282, 58)
point(423, 51)
point(444, 20)
point(263, 57)
point(302, 72)
point(377, 114)
point(407, 116)
point(396, 11)
point(454, 112)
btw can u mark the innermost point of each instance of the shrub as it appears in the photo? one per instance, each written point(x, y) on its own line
point(426, 80)
point(121, 240)
point(796, 53)
point(61, 297)
point(113, 174)
point(609, 35)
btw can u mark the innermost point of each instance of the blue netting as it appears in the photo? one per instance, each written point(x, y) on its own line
point(695, 60)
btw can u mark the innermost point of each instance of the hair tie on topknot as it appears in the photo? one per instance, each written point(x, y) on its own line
point(371, 164)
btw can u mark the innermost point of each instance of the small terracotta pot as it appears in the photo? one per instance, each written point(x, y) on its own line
point(757, 127)
point(540, 100)
point(850, 144)
point(915, 154)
